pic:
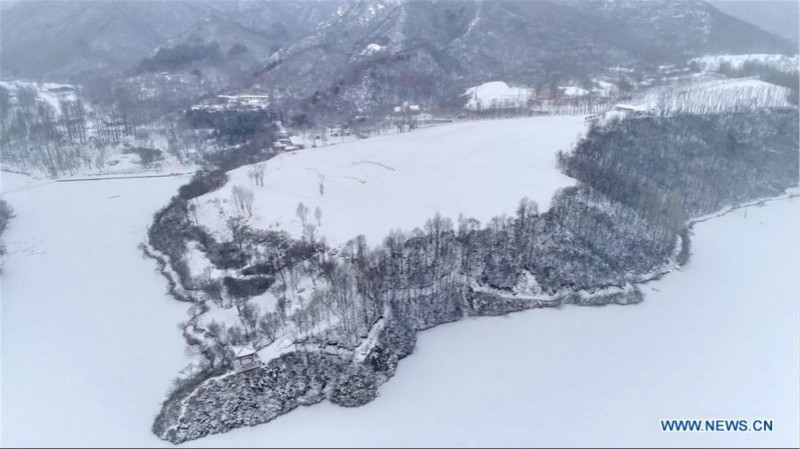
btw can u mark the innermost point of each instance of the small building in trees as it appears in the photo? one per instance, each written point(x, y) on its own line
point(297, 142)
point(291, 143)
point(245, 358)
point(409, 116)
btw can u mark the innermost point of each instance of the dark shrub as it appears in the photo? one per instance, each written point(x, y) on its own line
point(245, 288)
point(203, 182)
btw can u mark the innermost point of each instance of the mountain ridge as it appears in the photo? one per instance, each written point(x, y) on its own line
point(349, 56)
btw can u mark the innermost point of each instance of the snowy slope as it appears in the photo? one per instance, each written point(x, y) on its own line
point(703, 95)
point(481, 169)
point(89, 336)
point(578, 376)
point(784, 63)
point(50, 93)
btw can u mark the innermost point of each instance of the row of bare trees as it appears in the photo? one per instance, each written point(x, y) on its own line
point(61, 132)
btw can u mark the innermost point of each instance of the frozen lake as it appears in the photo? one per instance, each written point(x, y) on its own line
point(90, 343)
point(89, 336)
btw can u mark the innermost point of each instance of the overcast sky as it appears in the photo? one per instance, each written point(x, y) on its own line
point(777, 16)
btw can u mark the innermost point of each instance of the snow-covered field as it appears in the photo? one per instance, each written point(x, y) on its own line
point(89, 336)
point(50, 93)
point(481, 169)
point(718, 340)
point(783, 63)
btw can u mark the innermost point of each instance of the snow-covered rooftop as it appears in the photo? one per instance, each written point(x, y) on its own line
point(242, 351)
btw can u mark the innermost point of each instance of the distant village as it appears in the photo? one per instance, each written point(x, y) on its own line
point(612, 96)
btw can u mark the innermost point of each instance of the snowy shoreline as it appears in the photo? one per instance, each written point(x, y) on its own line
point(593, 247)
point(502, 302)
point(627, 294)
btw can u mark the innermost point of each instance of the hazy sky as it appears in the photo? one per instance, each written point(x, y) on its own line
point(777, 16)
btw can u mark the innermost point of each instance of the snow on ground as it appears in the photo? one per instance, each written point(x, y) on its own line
point(116, 162)
point(717, 340)
point(267, 302)
point(729, 95)
point(495, 92)
point(227, 317)
point(780, 62)
point(200, 267)
point(50, 93)
point(89, 336)
point(711, 95)
point(574, 91)
point(287, 341)
point(371, 49)
point(720, 86)
point(120, 164)
point(12, 182)
point(605, 88)
point(481, 169)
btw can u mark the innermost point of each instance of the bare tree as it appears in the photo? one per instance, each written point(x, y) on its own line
point(318, 215)
point(243, 200)
point(256, 173)
point(238, 229)
point(310, 233)
point(302, 213)
point(268, 326)
point(249, 314)
point(211, 288)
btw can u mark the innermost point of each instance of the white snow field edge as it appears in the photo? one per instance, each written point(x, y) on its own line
point(479, 169)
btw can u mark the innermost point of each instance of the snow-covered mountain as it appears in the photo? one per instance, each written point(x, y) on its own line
point(66, 39)
point(379, 52)
point(361, 54)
